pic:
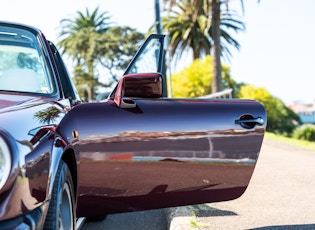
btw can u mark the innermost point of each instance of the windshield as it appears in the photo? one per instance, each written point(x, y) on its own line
point(22, 66)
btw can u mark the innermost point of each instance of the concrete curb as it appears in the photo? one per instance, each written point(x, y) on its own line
point(179, 218)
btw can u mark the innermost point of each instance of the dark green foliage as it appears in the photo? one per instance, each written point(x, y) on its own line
point(305, 132)
point(116, 49)
point(189, 26)
point(94, 44)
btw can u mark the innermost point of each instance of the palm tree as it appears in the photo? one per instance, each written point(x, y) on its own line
point(79, 40)
point(215, 35)
point(216, 49)
point(187, 29)
point(196, 24)
point(190, 28)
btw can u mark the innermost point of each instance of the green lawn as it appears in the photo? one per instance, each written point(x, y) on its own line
point(304, 144)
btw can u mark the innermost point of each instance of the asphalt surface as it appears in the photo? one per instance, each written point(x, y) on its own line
point(151, 220)
point(281, 195)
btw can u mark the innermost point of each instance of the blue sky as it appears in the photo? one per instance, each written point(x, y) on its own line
point(277, 47)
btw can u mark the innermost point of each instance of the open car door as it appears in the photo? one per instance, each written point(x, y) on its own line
point(139, 151)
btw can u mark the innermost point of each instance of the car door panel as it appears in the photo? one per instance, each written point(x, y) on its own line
point(164, 152)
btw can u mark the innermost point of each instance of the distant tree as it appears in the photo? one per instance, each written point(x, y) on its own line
point(79, 40)
point(187, 30)
point(117, 47)
point(194, 80)
point(281, 119)
point(93, 43)
point(189, 27)
point(210, 17)
point(216, 21)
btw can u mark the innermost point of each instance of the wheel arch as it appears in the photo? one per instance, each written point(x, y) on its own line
point(69, 158)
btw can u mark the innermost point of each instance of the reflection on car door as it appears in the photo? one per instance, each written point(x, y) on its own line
point(164, 152)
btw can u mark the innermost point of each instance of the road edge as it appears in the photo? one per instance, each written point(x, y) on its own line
point(179, 218)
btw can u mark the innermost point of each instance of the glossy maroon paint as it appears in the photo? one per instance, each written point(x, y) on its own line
point(135, 85)
point(163, 153)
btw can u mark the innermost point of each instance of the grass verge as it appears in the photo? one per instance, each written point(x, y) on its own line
point(300, 143)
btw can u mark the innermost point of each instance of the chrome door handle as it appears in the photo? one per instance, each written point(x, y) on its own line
point(257, 121)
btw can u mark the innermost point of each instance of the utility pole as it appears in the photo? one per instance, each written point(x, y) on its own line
point(158, 26)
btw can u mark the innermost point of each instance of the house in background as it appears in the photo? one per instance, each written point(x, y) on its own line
point(306, 112)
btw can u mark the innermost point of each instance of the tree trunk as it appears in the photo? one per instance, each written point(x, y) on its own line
point(216, 48)
point(91, 84)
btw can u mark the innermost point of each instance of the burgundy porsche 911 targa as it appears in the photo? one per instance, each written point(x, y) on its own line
point(62, 159)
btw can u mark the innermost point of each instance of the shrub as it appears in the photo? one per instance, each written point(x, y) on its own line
point(305, 132)
point(196, 79)
point(280, 119)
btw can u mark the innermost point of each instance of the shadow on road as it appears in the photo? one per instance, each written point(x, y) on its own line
point(288, 227)
point(203, 210)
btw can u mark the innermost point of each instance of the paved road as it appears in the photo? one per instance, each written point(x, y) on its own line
point(151, 220)
point(281, 195)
